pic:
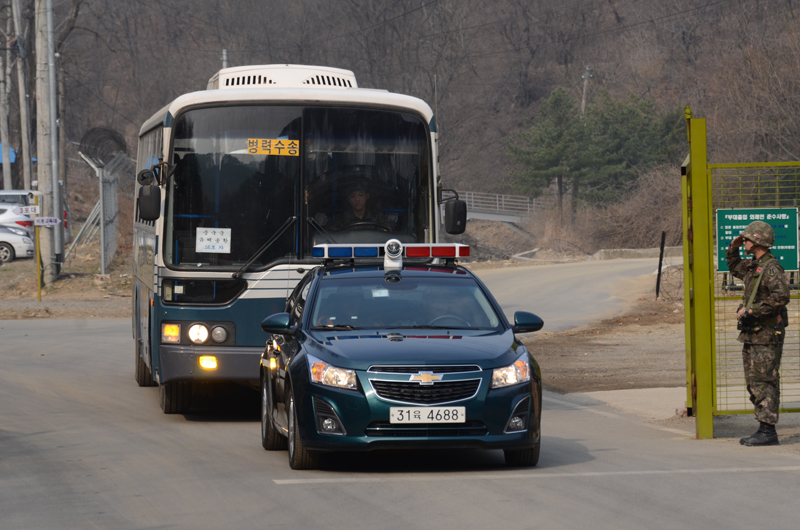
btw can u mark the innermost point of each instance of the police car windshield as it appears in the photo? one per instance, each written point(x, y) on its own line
point(411, 303)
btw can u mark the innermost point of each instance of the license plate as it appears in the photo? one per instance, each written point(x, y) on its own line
point(427, 415)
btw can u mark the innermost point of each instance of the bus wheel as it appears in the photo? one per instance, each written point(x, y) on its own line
point(142, 374)
point(175, 397)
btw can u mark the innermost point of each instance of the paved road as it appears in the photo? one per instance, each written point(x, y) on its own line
point(567, 295)
point(81, 446)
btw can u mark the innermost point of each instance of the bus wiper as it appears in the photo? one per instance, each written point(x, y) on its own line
point(318, 227)
point(337, 327)
point(286, 224)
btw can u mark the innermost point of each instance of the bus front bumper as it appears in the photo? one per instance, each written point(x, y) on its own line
point(182, 363)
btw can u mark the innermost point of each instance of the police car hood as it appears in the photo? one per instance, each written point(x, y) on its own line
point(359, 349)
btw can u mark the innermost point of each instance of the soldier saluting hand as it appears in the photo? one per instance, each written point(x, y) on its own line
point(762, 321)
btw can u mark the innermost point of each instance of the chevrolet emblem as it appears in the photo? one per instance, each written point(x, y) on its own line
point(426, 378)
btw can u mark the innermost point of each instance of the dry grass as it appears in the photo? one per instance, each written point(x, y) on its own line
point(653, 205)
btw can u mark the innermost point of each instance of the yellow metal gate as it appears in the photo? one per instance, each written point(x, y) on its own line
point(715, 375)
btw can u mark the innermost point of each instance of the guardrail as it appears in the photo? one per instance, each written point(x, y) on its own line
point(512, 204)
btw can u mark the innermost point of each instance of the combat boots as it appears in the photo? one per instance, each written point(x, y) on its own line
point(765, 435)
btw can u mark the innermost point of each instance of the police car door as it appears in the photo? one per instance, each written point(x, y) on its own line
point(289, 345)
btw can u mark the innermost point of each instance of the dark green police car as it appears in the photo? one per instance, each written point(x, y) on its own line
point(373, 352)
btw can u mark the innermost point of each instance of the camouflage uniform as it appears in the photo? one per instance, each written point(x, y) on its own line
point(763, 341)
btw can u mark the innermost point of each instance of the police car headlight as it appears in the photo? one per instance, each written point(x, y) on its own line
point(514, 374)
point(325, 374)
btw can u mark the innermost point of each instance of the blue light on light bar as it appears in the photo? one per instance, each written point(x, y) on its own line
point(340, 252)
point(366, 252)
point(318, 252)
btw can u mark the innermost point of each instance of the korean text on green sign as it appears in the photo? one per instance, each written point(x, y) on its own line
point(732, 222)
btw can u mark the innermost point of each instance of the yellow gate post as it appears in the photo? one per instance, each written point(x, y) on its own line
point(698, 269)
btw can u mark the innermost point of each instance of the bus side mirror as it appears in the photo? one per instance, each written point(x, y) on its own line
point(149, 202)
point(455, 216)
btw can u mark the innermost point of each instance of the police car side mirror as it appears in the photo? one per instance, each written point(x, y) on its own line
point(455, 216)
point(525, 322)
point(278, 324)
point(149, 202)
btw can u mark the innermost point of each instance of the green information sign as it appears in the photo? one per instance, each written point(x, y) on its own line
point(732, 222)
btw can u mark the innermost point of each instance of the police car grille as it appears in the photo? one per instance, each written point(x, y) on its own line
point(389, 430)
point(413, 392)
point(446, 369)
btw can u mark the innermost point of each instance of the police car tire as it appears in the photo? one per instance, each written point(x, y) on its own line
point(299, 458)
point(175, 398)
point(271, 440)
point(142, 374)
point(6, 253)
point(522, 457)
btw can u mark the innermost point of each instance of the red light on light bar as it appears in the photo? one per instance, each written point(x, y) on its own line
point(418, 252)
point(463, 252)
point(443, 252)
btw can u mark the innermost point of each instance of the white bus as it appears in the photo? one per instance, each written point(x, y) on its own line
point(235, 186)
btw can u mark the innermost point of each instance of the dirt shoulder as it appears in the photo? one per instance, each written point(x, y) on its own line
point(643, 348)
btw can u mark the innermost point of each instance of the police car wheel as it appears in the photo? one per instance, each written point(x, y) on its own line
point(270, 439)
point(522, 457)
point(299, 458)
point(6, 253)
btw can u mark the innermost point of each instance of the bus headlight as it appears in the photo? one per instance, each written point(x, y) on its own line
point(218, 334)
point(198, 333)
point(171, 333)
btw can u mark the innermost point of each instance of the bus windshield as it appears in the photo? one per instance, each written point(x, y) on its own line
point(367, 176)
point(242, 172)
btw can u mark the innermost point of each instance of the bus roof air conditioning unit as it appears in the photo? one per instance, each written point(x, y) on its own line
point(282, 76)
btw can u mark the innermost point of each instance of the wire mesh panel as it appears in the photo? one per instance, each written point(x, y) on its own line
point(751, 186)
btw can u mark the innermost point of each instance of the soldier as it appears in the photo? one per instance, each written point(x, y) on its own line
point(357, 197)
point(762, 321)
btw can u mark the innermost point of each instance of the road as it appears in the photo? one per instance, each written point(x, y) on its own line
point(568, 295)
point(82, 446)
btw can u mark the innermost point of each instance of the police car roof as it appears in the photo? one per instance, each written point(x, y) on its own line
point(376, 270)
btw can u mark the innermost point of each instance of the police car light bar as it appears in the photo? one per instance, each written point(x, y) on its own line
point(414, 250)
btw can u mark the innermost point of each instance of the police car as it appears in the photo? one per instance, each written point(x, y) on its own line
point(397, 346)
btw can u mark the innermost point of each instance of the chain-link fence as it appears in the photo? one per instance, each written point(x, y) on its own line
point(751, 186)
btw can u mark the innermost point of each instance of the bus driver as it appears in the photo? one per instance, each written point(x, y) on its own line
point(357, 197)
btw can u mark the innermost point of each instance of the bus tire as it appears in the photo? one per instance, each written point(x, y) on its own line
point(299, 457)
point(175, 397)
point(142, 374)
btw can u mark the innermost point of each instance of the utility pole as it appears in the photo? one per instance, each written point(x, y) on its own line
point(588, 75)
point(43, 154)
point(58, 230)
point(24, 119)
point(5, 77)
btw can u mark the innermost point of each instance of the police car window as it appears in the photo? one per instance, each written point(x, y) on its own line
point(297, 300)
point(371, 303)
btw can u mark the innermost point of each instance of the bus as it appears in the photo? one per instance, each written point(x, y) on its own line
point(237, 183)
